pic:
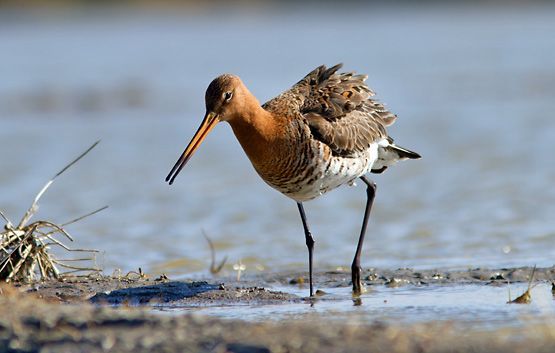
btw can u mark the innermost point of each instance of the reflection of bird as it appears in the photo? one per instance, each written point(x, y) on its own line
point(323, 132)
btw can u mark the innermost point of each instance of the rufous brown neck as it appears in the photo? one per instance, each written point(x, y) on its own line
point(258, 132)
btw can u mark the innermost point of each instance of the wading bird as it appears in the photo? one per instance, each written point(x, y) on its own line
point(323, 132)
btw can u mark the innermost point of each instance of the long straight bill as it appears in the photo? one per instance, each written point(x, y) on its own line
point(210, 120)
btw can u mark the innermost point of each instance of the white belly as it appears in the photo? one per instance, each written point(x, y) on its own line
point(327, 176)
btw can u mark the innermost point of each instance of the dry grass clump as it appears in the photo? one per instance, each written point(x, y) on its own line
point(25, 247)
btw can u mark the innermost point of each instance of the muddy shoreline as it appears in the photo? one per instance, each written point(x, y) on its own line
point(135, 289)
point(114, 314)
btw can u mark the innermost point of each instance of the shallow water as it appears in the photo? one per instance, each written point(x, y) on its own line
point(473, 88)
point(482, 306)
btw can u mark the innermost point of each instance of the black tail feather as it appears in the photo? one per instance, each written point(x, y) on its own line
point(404, 153)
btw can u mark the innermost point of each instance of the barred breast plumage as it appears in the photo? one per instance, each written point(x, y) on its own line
point(315, 170)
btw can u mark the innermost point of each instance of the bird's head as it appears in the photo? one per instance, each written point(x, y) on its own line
point(225, 97)
point(225, 100)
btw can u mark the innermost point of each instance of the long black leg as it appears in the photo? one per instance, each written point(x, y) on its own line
point(355, 268)
point(309, 243)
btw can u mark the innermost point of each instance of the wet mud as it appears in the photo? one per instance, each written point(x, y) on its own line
point(118, 314)
point(137, 290)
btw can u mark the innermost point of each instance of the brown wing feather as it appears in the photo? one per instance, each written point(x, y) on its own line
point(346, 136)
point(340, 111)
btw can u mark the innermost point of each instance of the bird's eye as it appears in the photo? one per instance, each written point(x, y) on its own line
point(228, 96)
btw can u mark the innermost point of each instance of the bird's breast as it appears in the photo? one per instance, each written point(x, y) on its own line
point(290, 160)
point(312, 171)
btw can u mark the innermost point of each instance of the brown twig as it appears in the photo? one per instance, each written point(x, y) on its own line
point(526, 297)
point(34, 206)
point(213, 268)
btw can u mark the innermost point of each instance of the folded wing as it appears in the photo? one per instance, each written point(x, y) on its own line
point(340, 111)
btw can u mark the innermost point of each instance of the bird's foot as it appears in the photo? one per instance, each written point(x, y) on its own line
point(358, 287)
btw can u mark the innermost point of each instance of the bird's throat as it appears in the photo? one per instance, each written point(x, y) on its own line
point(261, 136)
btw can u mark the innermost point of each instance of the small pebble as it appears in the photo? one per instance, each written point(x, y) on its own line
point(163, 277)
point(395, 282)
point(497, 276)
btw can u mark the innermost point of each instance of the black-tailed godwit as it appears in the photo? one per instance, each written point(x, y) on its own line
point(323, 132)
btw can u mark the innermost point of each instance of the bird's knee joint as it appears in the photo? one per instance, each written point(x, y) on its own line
point(371, 189)
point(310, 241)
